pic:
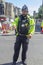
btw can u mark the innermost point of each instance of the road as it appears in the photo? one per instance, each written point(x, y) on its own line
point(34, 54)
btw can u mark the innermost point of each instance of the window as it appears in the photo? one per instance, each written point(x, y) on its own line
point(1, 9)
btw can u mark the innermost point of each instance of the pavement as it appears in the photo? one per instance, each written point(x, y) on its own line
point(34, 53)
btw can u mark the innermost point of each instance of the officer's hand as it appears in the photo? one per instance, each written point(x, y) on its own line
point(15, 27)
point(29, 36)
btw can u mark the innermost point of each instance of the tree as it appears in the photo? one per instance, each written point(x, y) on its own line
point(40, 12)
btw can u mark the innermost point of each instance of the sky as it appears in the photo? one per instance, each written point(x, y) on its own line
point(32, 5)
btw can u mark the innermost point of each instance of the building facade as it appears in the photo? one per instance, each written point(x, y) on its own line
point(17, 11)
point(8, 9)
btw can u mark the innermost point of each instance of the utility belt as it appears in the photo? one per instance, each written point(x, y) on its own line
point(22, 34)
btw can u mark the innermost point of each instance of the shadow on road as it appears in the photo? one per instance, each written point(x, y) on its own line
point(7, 64)
point(18, 63)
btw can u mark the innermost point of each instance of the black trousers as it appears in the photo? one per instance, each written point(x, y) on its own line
point(20, 40)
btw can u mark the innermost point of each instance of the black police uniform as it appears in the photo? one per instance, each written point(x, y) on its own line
point(21, 39)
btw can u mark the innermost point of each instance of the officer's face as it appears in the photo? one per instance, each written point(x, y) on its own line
point(24, 12)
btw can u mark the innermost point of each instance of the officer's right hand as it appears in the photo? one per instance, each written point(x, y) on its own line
point(15, 27)
point(29, 36)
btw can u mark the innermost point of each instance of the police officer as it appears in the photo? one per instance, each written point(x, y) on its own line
point(25, 27)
